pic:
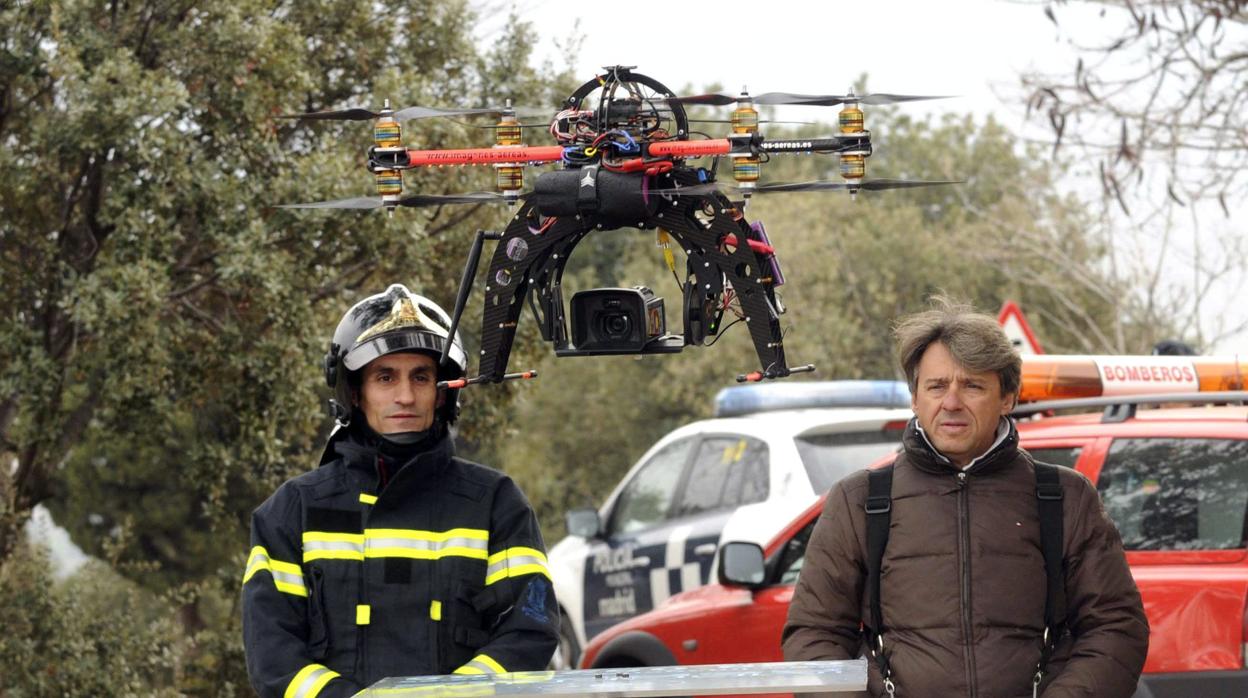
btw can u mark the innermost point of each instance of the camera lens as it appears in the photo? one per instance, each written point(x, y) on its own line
point(616, 325)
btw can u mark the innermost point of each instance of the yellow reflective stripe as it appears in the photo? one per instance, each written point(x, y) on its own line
point(309, 681)
point(481, 664)
point(515, 562)
point(258, 560)
point(426, 545)
point(518, 551)
point(319, 545)
point(435, 610)
point(363, 614)
point(396, 542)
point(287, 577)
point(488, 661)
point(368, 498)
point(437, 536)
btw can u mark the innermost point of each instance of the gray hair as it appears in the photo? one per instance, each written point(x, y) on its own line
point(975, 340)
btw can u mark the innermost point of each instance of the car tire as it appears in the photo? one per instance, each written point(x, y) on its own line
point(568, 653)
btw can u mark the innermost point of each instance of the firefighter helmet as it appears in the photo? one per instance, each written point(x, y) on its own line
point(393, 321)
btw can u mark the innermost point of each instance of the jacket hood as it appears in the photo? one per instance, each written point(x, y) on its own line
point(925, 457)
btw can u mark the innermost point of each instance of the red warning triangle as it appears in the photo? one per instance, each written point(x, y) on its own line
point(1017, 329)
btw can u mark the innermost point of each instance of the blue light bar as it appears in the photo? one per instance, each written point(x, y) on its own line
point(768, 397)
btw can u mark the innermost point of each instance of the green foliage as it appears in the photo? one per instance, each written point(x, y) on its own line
point(93, 634)
point(161, 325)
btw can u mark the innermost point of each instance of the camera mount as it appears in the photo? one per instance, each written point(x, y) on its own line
point(530, 258)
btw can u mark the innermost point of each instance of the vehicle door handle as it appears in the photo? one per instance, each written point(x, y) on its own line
point(705, 549)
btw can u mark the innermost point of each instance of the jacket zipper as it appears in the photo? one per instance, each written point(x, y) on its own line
point(964, 550)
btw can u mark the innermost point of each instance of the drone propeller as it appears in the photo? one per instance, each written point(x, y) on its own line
point(408, 113)
point(541, 125)
point(866, 185)
point(818, 185)
point(761, 121)
point(370, 202)
point(720, 99)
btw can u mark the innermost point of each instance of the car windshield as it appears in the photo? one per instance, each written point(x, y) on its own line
point(830, 457)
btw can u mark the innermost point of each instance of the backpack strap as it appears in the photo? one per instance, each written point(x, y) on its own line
point(879, 510)
point(1049, 501)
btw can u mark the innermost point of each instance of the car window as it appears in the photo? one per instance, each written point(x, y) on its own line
point(727, 471)
point(830, 457)
point(1064, 456)
point(791, 556)
point(647, 498)
point(1176, 494)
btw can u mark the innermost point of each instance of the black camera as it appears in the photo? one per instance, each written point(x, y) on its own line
point(619, 321)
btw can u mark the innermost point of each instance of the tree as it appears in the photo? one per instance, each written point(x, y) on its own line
point(1154, 102)
point(161, 326)
point(1170, 81)
point(94, 634)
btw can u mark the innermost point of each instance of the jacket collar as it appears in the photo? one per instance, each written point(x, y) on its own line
point(924, 456)
point(360, 452)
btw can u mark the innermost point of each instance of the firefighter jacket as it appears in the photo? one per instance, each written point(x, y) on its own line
point(439, 571)
point(963, 582)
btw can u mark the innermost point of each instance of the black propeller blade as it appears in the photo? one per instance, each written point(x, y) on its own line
point(832, 100)
point(866, 185)
point(761, 121)
point(720, 99)
point(819, 185)
point(370, 202)
point(716, 99)
point(408, 113)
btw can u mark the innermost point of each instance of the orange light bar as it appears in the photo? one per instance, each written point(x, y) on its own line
point(1057, 377)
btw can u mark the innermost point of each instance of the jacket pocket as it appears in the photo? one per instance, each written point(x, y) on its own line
point(318, 617)
point(462, 630)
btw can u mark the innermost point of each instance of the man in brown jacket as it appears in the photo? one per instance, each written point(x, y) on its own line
point(962, 582)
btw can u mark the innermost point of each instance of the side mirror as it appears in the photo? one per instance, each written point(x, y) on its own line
point(584, 523)
point(742, 565)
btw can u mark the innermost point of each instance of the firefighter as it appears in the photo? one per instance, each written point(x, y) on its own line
point(394, 557)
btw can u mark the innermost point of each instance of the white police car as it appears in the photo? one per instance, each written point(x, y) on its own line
point(769, 452)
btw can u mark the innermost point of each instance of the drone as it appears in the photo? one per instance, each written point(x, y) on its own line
point(624, 145)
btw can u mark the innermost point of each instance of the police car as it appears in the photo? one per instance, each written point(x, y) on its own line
point(770, 451)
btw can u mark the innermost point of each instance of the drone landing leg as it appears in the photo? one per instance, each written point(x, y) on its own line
point(465, 284)
point(524, 259)
point(702, 225)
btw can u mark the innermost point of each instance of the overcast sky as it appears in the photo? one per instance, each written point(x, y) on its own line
point(970, 48)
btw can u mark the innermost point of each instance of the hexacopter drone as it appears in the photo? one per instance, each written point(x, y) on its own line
point(624, 143)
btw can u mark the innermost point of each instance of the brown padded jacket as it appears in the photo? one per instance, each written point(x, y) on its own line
point(963, 582)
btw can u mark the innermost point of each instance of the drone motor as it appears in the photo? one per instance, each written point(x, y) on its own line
point(509, 176)
point(746, 167)
point(387, 140)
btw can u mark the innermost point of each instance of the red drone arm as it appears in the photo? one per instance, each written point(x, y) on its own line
point(690, 149)
point(485, 156)
point(553, 153)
